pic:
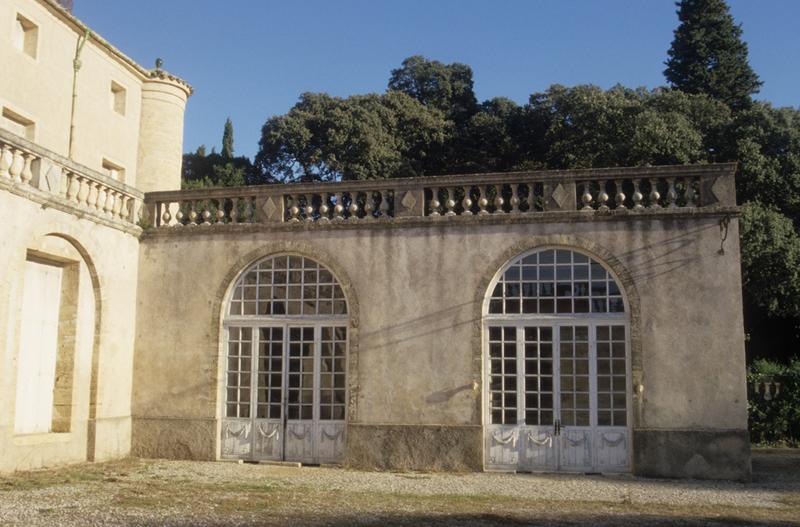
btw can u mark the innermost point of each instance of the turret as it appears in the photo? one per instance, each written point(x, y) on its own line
point(161, 131)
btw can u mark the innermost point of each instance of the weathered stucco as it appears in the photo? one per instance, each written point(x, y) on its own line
point(101, 383)
point(415, 359)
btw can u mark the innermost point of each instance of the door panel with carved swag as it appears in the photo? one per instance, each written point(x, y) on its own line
point(553, 401)
point(286, 401)
point(556, 363)
point(285, 371)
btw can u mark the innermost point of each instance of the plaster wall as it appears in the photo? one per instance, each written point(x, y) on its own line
point(40, 89)
point(415, 295)
point(99, 424)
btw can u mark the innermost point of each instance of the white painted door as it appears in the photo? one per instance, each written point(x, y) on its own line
point(288, 403)
point(557, 397)
point(36, 358)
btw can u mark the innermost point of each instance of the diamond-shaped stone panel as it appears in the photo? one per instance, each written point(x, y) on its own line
point(560, 195)
point(408, 200)
point(271, 209)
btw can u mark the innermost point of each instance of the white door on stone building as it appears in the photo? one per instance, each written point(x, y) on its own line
point(556, 367)
point(285, 376)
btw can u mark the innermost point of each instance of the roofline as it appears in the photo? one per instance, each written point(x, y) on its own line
point(80, 28)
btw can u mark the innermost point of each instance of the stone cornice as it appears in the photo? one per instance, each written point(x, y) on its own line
point(565, 217)
point(80, 28)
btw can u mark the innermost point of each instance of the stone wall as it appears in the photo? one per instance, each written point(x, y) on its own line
point(100, 344)
point(415, 292)
point(39, 89)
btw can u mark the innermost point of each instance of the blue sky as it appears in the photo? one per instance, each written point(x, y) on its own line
point(251, 59)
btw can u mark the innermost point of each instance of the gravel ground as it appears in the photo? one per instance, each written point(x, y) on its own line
point(144, 492)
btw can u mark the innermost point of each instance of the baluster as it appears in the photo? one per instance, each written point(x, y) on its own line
point(689, 192)
point(192, 214)
point(125, 211)
point(206, 214)
point(100, 201)
point(235, 203)
point(483, 202)
point(249, 210)
point(353, 208)
point(451, 202)
point(434, 203)
point(603, 197)
point(84, 191)
point(26, 174)
point(369, 205)
point(309, 208)
point(117, 205)
point(74, 186)
point(17, 164)
point(655, 195)
point(515, 198)
point(498, 199)
point(93, 191)
point(166, 217)
point(324, 208)
point(6, 158)
point(220, 214)
point(586, 197)
point(619, 197)
point(383, 210)
point(294, 210)
point(109, 204)
point(338, 209)
point(180, 216)
point(672, 194)
point(637, 195)
point(466, 203)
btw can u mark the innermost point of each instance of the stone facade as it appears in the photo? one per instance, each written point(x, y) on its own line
point(145, 351)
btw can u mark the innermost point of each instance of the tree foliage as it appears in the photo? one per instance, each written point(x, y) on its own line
point(201, 170)
point(360, 137)
point(227, 140)
point(708, 54)
point(774, 420)
point(429, 122)
point(771, 245)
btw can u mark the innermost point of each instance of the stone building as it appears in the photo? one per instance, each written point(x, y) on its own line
point(585, 321)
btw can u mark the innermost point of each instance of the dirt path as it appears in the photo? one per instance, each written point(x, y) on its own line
point(147, 492)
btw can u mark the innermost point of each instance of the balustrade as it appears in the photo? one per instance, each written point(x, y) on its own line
point(628, 190)
point(31, 167)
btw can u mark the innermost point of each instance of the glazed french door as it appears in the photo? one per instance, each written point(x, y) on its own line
point(557, 396)
point(285, 392)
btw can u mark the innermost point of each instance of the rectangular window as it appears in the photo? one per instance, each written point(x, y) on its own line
point(36, 362)
point(113, 170)
point(17, 124)
point(118, 94)
point(26, 36)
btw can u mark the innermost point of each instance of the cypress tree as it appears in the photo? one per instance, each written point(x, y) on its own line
point(708, 56)
point(227, 140)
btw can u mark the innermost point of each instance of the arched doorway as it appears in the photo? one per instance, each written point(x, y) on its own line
point(285, 370)
point(557, 366)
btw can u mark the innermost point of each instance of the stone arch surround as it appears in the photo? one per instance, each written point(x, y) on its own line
point(594, 250)
point(243, 263)
point(91, 438)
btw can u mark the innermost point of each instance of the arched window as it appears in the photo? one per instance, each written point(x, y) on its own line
point(287, 286)
point(556, 363)
point(555, 281)
point(285, 381)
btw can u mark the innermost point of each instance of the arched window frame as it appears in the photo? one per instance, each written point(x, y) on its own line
point(237, 295)
point(498, 279)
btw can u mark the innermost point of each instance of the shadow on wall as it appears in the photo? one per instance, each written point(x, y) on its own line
point(445, 319)
point(654, 260)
